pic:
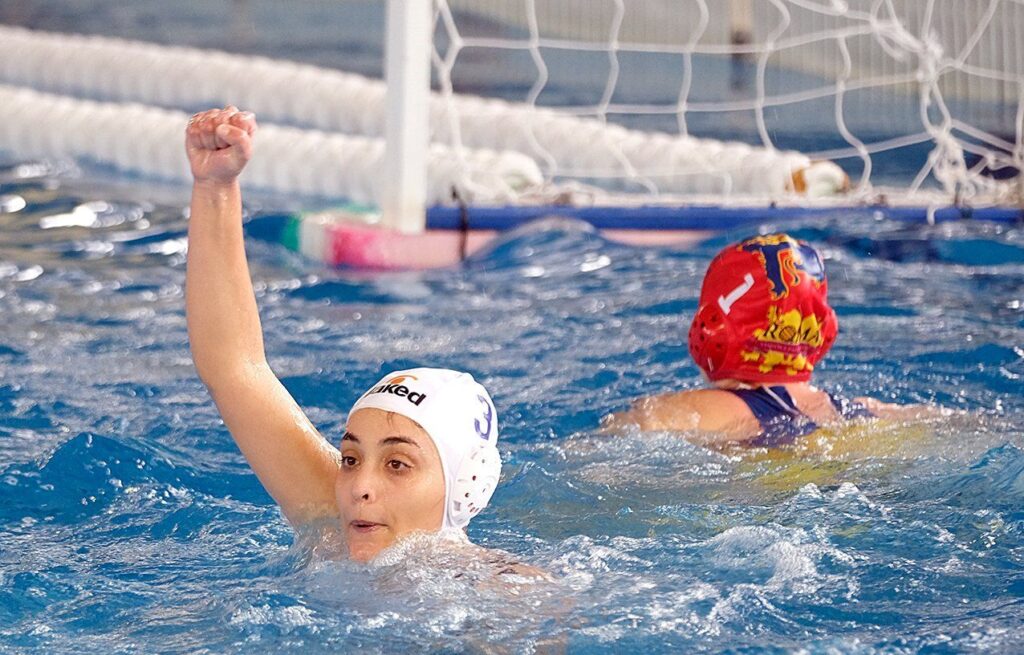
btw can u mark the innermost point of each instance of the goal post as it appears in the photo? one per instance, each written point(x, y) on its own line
point(407, 71)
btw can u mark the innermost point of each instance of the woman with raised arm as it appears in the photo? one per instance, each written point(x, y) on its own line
point(419, 451)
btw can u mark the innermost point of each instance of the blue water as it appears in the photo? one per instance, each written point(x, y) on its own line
point(130, 523)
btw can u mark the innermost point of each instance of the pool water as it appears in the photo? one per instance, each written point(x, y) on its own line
point(130, 523)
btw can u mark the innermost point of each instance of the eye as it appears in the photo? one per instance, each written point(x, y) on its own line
point(348, 461)
point(397, 465)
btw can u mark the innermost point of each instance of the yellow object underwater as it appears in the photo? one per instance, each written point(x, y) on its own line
point(832, 454)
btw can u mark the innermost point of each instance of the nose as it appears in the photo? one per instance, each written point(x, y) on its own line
point(364, 485)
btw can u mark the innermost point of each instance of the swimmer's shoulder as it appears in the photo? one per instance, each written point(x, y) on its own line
point(707, 410)
point(524, 570)
point(815, 403)
point(502, 565)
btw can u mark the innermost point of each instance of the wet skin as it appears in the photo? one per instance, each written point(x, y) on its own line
point(390, 483)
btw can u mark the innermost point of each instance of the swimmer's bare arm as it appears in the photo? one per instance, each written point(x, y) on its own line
point(655, 413)
point(294, 463)
point(707, 416)
point(896, 412)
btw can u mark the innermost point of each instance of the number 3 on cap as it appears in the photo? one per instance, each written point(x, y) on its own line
point(485, 430)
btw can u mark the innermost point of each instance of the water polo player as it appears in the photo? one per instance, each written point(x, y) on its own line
point(763, 322)
point(419, 452)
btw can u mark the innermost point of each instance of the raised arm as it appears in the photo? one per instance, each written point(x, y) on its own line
point(294, 463)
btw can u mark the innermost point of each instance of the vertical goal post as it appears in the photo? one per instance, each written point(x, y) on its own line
point(407, 131)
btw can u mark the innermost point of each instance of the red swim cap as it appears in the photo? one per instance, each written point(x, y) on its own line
point(763, 315)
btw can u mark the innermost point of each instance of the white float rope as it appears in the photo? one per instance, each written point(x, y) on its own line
point(150, 141)
point(285, 92)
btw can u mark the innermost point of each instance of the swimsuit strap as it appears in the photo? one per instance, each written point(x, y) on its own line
point(783, 398)
point(780, 420)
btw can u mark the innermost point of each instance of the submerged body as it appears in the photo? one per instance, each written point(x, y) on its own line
point(762, 415)
point(762, 324)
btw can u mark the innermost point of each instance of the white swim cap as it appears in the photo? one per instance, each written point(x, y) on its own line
point(458, 414)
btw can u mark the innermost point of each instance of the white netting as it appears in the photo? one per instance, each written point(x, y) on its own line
point(848, 80)
point(126, 71)
point(612, 93)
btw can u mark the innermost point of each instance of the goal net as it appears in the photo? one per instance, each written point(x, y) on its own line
point(919, 100)
point(559, 102)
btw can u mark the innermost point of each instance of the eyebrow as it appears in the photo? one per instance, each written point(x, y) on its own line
point(397, 439)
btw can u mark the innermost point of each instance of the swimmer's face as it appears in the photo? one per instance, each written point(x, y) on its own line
point(390, 483)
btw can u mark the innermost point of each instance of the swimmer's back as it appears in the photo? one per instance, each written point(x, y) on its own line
point(722, 414)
